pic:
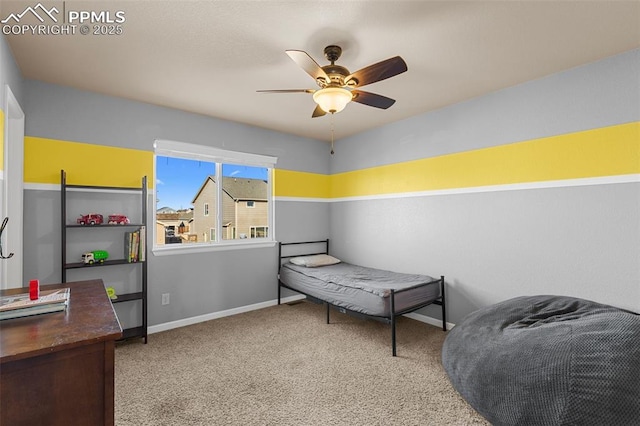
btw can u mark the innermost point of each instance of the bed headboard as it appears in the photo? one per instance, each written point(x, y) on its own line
point(301, 248)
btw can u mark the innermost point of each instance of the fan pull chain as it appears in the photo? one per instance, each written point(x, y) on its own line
point(332, 151)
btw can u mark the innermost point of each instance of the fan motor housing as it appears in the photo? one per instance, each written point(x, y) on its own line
point(336, 74)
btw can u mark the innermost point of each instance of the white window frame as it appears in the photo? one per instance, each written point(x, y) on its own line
point(167, 148)
point(251, 204)
point(206, 209)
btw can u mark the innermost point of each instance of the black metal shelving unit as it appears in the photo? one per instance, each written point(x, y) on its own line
point(128, 333)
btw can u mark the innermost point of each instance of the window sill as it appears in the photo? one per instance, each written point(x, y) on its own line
point(177, 249)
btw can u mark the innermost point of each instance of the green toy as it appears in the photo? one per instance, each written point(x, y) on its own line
point(95, 256)
point(111, 292)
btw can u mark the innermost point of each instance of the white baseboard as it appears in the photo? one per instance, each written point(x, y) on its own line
point(208, 317)
point(428, 320)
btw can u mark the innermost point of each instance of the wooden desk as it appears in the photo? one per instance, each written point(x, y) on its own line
point(58, 368)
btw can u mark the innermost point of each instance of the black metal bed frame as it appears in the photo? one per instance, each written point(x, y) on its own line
point(393, 314)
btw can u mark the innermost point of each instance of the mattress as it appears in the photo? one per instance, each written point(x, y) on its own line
point(361, 289)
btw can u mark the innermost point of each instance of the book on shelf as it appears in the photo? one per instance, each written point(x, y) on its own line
point(128, 238)
point(134, 245)
point(20, 305)
point(143, 242)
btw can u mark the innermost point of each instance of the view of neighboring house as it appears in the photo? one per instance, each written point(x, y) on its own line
point(173, 226)
point(244, 209)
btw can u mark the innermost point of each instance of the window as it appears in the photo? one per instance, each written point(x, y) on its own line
point(259, 231)
point(225, 196)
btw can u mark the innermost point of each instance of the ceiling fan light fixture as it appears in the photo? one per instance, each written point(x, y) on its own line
point(332, 99)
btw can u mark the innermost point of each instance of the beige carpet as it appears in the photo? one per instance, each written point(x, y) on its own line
point(284, 365)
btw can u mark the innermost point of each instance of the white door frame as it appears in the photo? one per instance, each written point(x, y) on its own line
point(12, 202)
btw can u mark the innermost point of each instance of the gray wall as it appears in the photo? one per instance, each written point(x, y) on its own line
point(580, 241)
point(199, 283)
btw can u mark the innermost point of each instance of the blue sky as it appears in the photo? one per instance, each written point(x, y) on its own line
point(178, 180)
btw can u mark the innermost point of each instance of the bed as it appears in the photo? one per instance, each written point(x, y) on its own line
point(307, 268)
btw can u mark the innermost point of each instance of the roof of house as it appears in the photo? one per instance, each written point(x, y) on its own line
point(183, 215)
point(239, 188)
point(167, 216)
point(245, 188)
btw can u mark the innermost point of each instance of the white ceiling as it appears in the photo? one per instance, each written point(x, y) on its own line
point(210, 57)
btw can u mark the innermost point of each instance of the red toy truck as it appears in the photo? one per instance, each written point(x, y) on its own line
point(118, 219)
point(90, 219)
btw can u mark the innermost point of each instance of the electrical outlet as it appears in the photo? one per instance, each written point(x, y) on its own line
point(165, 298)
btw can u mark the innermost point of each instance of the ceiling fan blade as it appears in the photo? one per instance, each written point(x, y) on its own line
point(287, 91)
point(307, 63)
point(377, 72)
point(318, 112)
point(372, 99)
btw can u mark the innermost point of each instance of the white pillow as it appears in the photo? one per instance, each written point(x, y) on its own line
point(314, 260)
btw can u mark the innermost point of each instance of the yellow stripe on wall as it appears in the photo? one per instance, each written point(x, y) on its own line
point(1, 140)
point(85, 164)
point(290, 183)
point(608, 151)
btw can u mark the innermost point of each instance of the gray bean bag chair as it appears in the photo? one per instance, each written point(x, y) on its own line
point(548, 360)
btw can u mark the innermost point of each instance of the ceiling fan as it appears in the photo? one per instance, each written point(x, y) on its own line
point(338, 86)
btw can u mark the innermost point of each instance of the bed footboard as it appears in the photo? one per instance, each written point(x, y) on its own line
point(394, 314)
